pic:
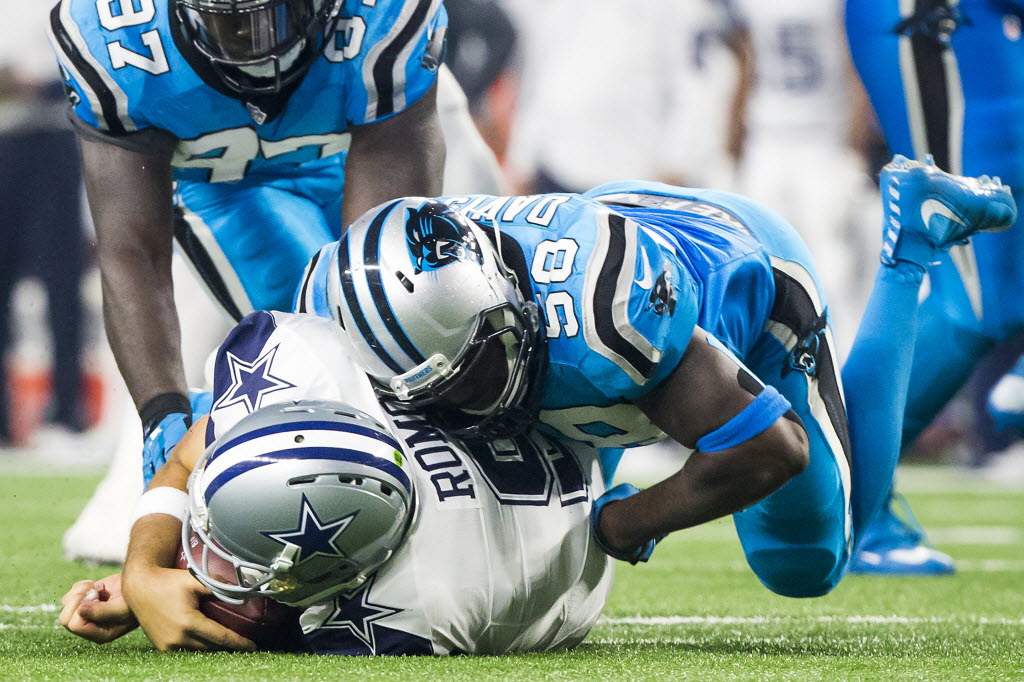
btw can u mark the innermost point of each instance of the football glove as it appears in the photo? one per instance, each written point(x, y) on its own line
point(160, 439)
point(633, 556)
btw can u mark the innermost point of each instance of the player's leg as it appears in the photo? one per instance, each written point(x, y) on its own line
point(470, 166)
point(60, 269)
point(792, 538)
point(249, 242)
point(949, 325)
point(1006, 402)
point(797, 540)
point(914, 81)
point(925, 212)
point(15, 222)
point(894, 542)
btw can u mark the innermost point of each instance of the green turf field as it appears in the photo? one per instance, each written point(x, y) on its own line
point(694, 612)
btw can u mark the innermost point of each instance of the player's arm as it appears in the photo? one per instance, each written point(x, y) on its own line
point(742, 47)
point(164, 599)
point(748, 442)
point(130, 198)
point(396, 157)
point(97, 610)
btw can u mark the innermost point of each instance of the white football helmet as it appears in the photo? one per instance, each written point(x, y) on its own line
point(428, 307)
point(303, 500)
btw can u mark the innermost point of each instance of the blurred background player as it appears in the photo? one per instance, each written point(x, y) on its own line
point(946, 78)
point(807, 135)
point(609, 91)
point(40, 190)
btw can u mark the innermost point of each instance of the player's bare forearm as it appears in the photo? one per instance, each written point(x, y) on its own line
point(130, 200)
point(706, 391)
point(165, 599)
point(142, 326)
point(709, 486)
point(400, 156)
point(155, 538)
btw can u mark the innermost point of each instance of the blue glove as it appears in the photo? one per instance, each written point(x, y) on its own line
point(159, 443)
point(202, 403)
point(633, 556)
point(161, 438)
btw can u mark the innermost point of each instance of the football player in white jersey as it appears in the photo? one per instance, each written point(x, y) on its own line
point(500, 557)
point(807, 132)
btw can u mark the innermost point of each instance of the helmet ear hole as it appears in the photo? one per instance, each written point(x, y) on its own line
point(406, 282)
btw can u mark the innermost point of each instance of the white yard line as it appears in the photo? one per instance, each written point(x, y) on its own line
point(773, 620)
point(38, 608)
point(976, 535)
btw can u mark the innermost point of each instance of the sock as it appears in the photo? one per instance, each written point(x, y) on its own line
point(876, 378)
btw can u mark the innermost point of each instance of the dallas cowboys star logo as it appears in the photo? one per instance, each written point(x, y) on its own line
point(357, 614)
point(313, 536)
point(251, 381)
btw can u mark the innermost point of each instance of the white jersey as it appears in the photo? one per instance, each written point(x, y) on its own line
point(500, 557)
point(592, 107)
point(802, 67)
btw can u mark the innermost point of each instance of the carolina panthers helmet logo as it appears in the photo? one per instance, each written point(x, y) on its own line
point(436, 238)
point(663, 298)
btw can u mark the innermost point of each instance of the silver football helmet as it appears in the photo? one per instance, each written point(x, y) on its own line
point(302, 500)
point(434, 315)
point(258, 46)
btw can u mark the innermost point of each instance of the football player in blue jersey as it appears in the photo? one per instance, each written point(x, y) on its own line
point(640, 310)
point(229, 127)
point(946, 78)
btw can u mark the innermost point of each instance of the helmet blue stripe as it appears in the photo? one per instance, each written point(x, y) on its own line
point(371, 256)
point(308, 426)
point(345, 454)
point(353, 302)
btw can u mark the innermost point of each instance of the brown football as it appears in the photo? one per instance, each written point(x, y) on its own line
point(268, 624)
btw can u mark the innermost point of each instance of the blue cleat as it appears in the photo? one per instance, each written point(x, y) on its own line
point(927, 210)
point(1006, 400)
point(895, 544)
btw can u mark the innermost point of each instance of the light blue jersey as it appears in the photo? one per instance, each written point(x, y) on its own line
point(259, 179)
point(623, 275)
point(128, 68)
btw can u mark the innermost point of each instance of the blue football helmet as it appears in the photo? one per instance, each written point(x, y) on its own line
point(303, 500)
point(437, 320)
point(259, 46)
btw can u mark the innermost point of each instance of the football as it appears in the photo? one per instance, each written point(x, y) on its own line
point(270, 625)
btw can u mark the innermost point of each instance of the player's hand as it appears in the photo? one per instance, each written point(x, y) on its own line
point(166, 603)
point(157, 446)
point(97, 611)
point(158, 443)
point(633, 555)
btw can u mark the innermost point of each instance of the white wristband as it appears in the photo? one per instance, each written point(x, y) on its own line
point(162, 500)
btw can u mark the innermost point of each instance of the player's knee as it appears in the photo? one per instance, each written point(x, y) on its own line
point(797, 571)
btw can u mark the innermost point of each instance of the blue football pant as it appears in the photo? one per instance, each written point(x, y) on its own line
point(249, 241)
point(798, 540)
